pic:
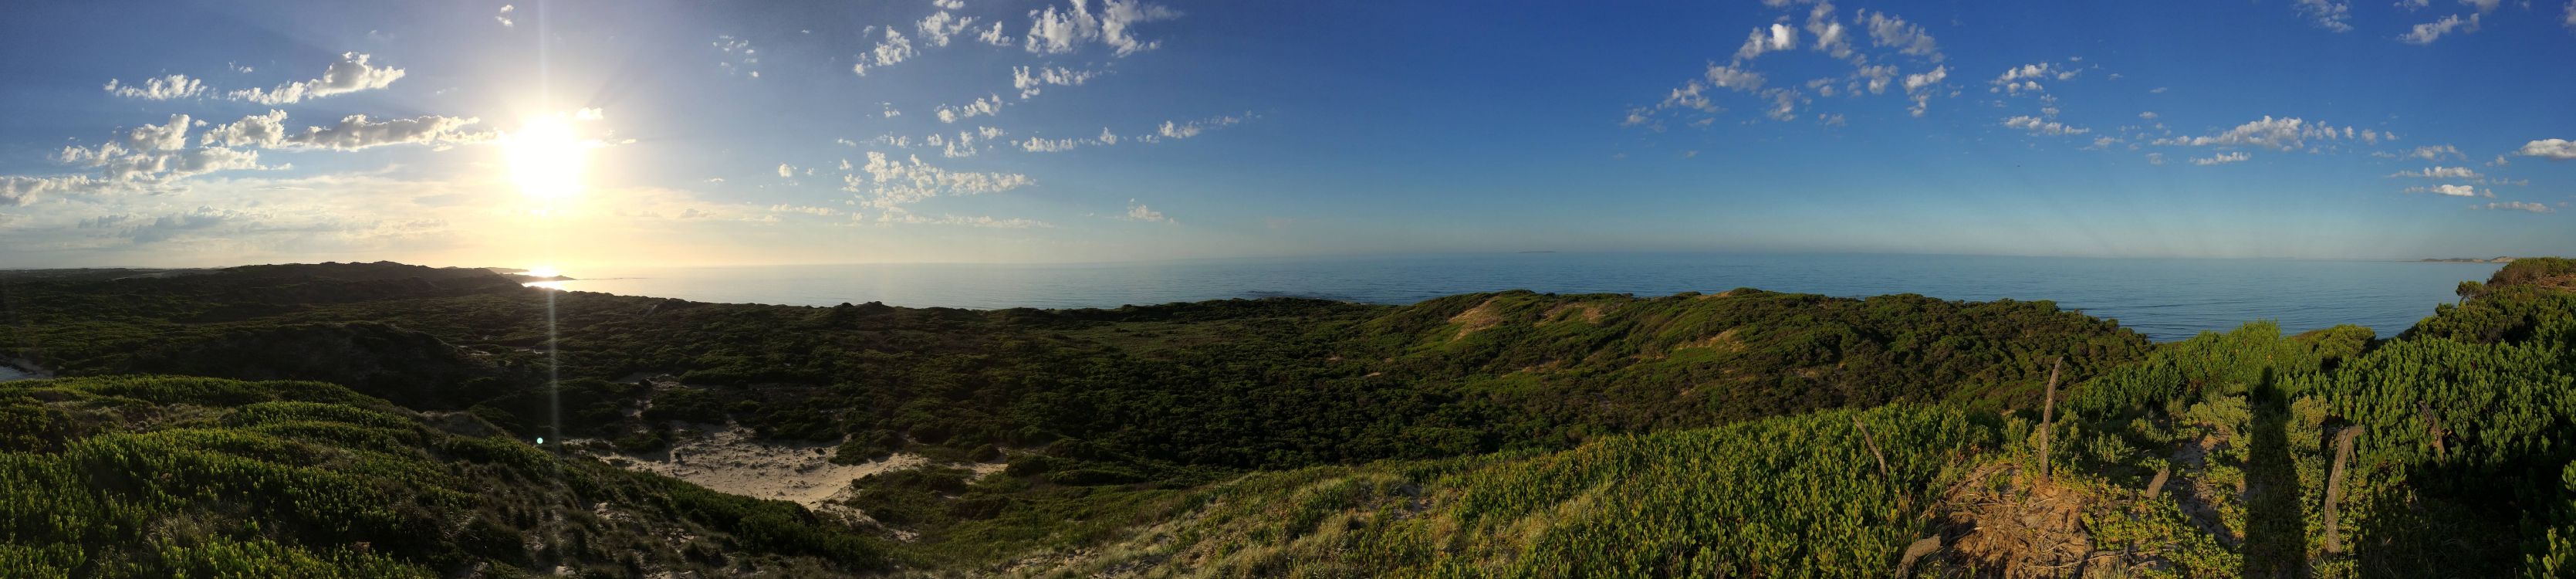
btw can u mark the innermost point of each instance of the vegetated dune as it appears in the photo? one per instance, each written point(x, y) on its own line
point(1489, 434)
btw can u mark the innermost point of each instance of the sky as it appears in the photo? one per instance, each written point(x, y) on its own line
point(644, 132)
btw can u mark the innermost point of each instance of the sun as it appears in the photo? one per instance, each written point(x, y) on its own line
point(541, 271)
point(546, 160)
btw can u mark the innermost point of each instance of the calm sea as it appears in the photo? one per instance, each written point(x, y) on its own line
point(2168, 299)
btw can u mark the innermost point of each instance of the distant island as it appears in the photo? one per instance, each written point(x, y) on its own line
point(2497, 259)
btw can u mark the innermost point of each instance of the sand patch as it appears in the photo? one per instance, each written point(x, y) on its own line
point(1484, 315)
point(1591, 311)
point(735, 461)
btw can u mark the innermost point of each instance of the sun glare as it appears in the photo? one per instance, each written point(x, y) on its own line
point(546, 160)
point(541, 271)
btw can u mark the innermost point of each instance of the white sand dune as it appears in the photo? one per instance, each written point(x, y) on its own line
point(734, 460)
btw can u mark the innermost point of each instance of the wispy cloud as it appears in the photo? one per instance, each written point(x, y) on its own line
point(350, 74)
point(2223, 158)
point(2451, 190)
point(2516, 206)
point(159, 88)
point(2438, 173)
point(2428, 32)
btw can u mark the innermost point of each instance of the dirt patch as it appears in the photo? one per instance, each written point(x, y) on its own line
point(2564, 283)
point(2009, 523)
point(1723, 294)
point(734, 460)
point(1484, 315)
point(1726, 341)
point(1591, 312)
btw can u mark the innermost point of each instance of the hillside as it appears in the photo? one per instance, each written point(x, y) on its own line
point(1738, 433)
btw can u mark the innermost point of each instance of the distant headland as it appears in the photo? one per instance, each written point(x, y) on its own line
point(2497, 259)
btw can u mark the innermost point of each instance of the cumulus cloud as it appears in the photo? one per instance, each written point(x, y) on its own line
point(2435, 152)
point(2223, 158)
point(21, 190)
point(987, 106)
point(350, 74)
point(504, 16)
point(2451, 190)
point(2155, 158)
point(1920, 87)
point(2043, 127)
point(156, 153)
point(2516, 206)
point(2149, 115)
point(2328, 14)
point(1053, 31)
point(994, 36)
point(1139, 212)
point(894, 49)
point(162, 88)
point(888, 183)
point(1907, 39)
point(2551, 149)
point(2284, 134)
point(2025, 78)
point(938, 27)
point(2438, 173)
point(2428, 32)
point(1030, 81)
point(352, 133)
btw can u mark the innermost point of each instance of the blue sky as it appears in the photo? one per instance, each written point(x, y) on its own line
point(813, 132)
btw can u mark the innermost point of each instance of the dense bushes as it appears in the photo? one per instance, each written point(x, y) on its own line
point(176, 477)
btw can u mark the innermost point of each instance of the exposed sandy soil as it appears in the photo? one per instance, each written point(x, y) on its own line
point(734, 460)
point(1476, 318)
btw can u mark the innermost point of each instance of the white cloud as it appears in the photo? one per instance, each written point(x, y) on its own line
point(786, 171)
point(1172, 130)
point(22, 190)
point(894, 49)
point(2285, 134)
point(1038, 145)
point(2332, 15)
point(938, 27)
point(898, 215)
point(504, 16)
point(2571, 14)
point(2043, 127)
point(949, 4)
point(1058, 32)
point(740, 57)
point(2435, 152)
point(889, 183)
point(355, 132)
point(2223, 158)
point(2517, 206)
point(1908, 39)
point(994, 36)
point(1030, 81)
point(1919, 87)
point(2149, 115)
point(2483, 5)
point(2551, 149)
point(2451, 190)
point(2155, 158)
point(2439, 173)
point(161, 88)
point(350, 74)
point(157, 153)
point(804, 210)
point(1139, 212)
point(987, 106)
point(2428, 32)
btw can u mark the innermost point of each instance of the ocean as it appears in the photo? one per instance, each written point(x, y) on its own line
point(2166, 299)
